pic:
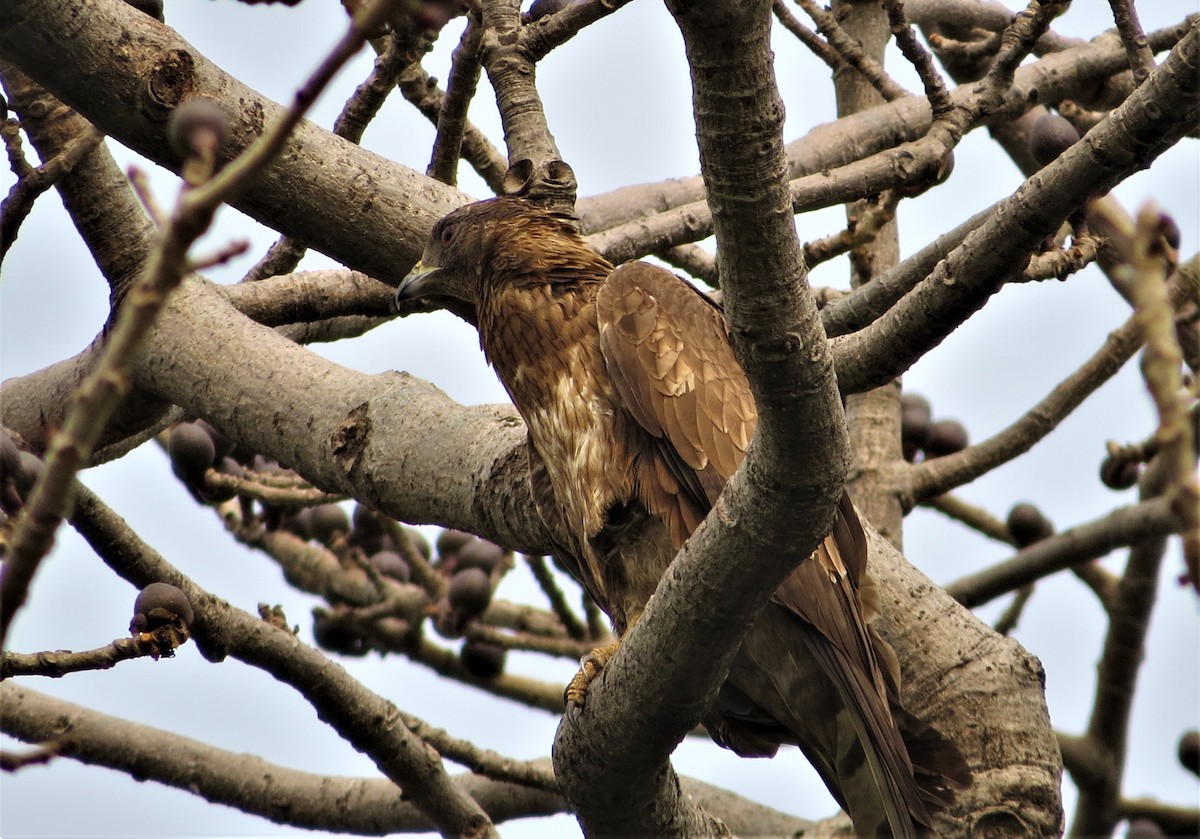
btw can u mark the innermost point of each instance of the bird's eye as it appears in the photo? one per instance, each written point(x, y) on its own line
point(446, 236)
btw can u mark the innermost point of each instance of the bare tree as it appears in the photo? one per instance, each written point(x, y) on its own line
point(272, 436)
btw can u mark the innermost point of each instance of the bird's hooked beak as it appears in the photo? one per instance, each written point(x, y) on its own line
point(420, 282)
point(435, 287)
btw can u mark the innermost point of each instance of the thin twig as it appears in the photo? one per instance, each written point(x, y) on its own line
point(32, 182)
point(558, 601)
point(861, 230)
point(569, 648)
point(806, 36)
point(1060, 263)
point(1101, 581)
point(1007, 621)
point(159, 643)
point(422, 91)
point(297, 494)
point(42, 753)
point(452, 121)
point(1016, 43)
point(1129, 27)
point(851, 52)
point(1146, 278)
point(1119, 528)
point(976, 518)
point(919, 57)
point(544, 34)
point(484, 762)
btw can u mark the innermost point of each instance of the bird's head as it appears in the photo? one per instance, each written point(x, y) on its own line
point(494, 244)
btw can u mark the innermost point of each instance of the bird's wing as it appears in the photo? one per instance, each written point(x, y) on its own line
point(668, 354)
point(667, 351)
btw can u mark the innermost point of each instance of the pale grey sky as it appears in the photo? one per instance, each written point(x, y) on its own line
point(618, 102)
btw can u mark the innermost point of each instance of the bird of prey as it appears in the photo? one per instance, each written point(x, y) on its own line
point(637, 414)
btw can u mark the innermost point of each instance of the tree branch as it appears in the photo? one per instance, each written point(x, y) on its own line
point(832, 145)
point(368, 722)
point(938, 475)
point(351, 204)
point(363, 806)
point(1120, 528)
point(1150, 121)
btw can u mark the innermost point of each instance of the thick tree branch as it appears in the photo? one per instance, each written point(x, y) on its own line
point(670, 664)
point(537, 170)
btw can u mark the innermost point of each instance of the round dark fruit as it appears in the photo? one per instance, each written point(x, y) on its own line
point(368, 529)
point(1027, 525)
point(1168, 228)
point(192, 452)
point(333, 636)
point(419, 542)
point(1189, 751)
point(945, 437)
point(221, 444)
point(327, 521)
point(1050, 136)
point(480, 554)
point(298, 523)
point(198, 125)
point(1116, 474)
point(449, 542)
point(391, 564)
point(470, 591)
point(917, 406)
point(160, 604)
point(482, 659)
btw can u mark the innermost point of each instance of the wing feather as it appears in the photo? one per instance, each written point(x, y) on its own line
point(667, 351)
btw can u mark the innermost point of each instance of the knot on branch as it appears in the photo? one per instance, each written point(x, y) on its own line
point(549, 183)
point(169, 82)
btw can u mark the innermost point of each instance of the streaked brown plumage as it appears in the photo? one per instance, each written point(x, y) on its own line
point(637, 414)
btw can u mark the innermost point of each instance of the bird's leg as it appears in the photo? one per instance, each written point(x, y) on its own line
point(590, 666)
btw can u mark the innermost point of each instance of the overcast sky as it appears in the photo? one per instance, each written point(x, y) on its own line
point(618, 101)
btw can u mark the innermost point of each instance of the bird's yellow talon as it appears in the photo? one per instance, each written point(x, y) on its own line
point(589, 668)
